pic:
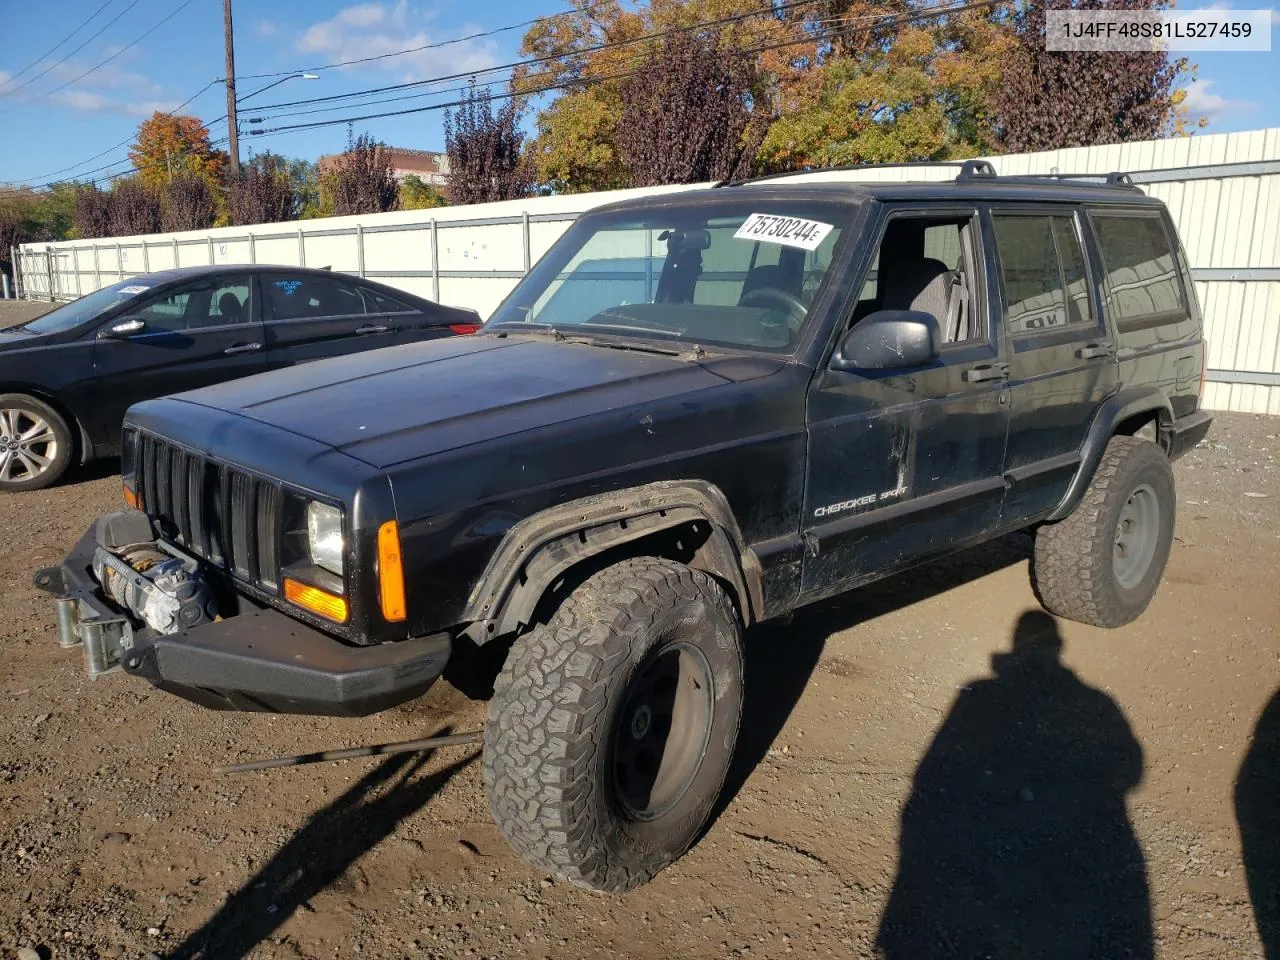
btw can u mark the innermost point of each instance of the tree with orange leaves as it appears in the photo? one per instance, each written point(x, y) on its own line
point(168, 145)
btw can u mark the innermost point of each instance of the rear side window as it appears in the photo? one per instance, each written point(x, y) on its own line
point(1142, 274)
point(302, 296)
point(1042, 265)
point(379, 302)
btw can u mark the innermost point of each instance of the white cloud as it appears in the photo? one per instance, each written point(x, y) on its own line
point(375, 29)
point(265, 28)
point(1201, 101)
point(108, 89)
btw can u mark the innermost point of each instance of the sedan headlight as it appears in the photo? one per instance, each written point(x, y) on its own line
point(324, 537)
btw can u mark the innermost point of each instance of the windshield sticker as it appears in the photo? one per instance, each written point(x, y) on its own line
point(134, 289)
point(788, 231)
point(288, 286)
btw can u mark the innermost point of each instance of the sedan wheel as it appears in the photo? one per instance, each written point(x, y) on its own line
point(35, 445)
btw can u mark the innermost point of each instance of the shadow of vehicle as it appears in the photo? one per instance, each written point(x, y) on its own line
point(88, 472)
point(1258, 813)
point(1015, 839)
point(781, 655)
point(318, 854)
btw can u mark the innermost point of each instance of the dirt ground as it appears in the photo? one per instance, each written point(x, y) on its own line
point(1075, 802)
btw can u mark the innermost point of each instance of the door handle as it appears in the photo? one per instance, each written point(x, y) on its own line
point(1092, 351)
point(242, 348)
point(987, 371)
point(372, 328)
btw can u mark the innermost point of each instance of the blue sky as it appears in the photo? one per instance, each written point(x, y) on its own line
point(45, 130)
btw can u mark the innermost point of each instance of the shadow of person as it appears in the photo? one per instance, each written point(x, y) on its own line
point(1258, 813)
point(1015, 839)
point(319, 853)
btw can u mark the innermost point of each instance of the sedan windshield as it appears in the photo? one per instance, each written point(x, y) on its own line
point(743, 274)
point(86, 308)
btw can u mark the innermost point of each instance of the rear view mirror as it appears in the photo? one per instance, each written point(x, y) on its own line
point(890, 339)
point(123, 329)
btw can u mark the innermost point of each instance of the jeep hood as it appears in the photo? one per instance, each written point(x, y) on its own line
point(389, 406)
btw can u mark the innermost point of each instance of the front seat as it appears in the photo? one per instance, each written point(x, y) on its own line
point(920, 284)
point(230, 308)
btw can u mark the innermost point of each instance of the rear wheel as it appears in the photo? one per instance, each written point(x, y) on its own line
point(611, 727)
point(35, 443)
point(1103, 563)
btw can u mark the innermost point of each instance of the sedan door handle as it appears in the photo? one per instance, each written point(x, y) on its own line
point(242, 348)
point(372, 328)
point(987, 371)
point(1092, 351)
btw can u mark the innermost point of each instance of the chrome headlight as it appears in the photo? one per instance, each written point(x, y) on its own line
point(324, 537)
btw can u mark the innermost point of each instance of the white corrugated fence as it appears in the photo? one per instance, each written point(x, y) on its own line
point(1223, 191)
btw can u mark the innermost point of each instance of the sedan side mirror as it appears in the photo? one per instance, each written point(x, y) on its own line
point(890, 339)
point(123, 329)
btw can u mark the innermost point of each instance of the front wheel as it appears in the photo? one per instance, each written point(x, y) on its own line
point(35, 444)
point(1103, 562)
point(611, 728)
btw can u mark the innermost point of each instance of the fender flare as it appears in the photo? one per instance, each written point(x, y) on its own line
point(1116, 409)
point(536, 551)
point(86, 447)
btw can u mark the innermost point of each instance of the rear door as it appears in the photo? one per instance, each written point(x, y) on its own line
point(309, 317)
point(1062, 358)
point(196, 334)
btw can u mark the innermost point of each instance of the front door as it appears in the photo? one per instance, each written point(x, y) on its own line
point(194, 335)
point(1062, 361)
point(906, 464)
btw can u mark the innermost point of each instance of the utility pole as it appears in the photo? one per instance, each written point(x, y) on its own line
point(231, 88)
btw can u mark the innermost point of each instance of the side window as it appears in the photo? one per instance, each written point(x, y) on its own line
point(379, 302)
point(1042, 266)
point(1142, 275)
point(198, 305)
point(925, 263)
point(306, 297)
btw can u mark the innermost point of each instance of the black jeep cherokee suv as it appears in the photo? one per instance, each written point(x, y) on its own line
point(697, 412)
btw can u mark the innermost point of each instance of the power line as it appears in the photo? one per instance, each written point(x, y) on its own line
point(168, 113)
point(84, 23)
point(182, 6)
point(587, 81)
point(68, 56)
point(426, 46)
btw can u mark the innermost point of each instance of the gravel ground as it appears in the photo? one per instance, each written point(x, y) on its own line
point(903, 779)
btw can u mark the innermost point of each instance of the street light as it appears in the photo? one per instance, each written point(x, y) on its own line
point(276, 83)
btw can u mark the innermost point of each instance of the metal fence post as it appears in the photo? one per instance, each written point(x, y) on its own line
point(119, 263)
point(97, 269)
point(146, 258)
point(48, 262)
point(253, 250)
point(211, 251)
point(17, 271)
point(435, 262)
point(360, 248)
point(528, 249)
point(75, 266)
point(302, 249)
point(176, 264)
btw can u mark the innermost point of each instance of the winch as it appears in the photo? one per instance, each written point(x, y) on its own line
point(165, 592)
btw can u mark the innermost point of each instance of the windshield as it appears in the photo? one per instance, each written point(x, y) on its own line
point(86, 308)
point(741, 275)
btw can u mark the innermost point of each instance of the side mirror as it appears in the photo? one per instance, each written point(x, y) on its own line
point(890, 339)
point(123, 329)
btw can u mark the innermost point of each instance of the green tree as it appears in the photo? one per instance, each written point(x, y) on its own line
point(416, 195)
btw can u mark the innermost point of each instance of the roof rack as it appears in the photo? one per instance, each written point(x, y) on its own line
point(970, 171)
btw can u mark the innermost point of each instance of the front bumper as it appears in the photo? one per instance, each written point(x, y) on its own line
point(261, 660)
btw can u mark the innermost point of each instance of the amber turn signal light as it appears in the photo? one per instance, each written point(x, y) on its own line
point(131, 498)
point(328, 605)
point(391, 573)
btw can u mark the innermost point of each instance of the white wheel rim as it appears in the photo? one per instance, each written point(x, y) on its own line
point(28, 445)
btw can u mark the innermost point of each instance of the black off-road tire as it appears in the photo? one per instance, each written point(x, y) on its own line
point(569, 687)
point(61, 449)
point(1074, 569)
